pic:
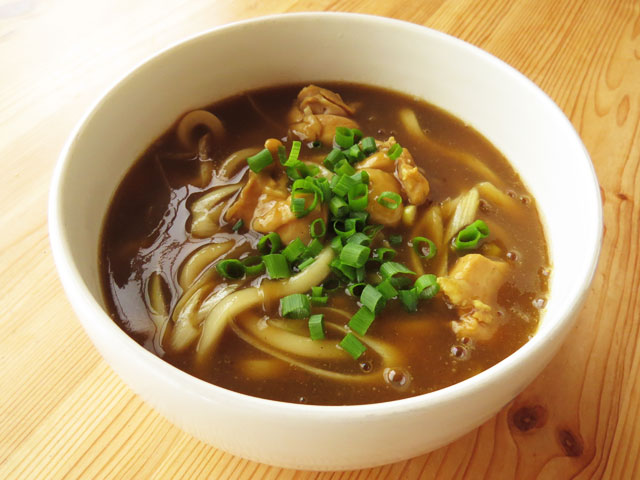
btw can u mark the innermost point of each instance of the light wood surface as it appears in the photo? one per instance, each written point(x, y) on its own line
point(65, 414)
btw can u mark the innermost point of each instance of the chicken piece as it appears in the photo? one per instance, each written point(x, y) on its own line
point(264, 204)
point(414, 184)
point(379, 160)
point(316, 114)
point(472, 287)
point(324, 101)
point(275, 215)
point(380, 182)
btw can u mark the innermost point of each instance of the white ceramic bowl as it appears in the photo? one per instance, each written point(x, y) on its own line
point(498, 101)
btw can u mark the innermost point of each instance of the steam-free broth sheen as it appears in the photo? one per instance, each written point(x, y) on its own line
point(172, 223)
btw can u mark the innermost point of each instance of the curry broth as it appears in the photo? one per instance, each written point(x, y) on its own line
point(146, 230)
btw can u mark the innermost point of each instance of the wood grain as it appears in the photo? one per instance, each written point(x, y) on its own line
point(64, 414)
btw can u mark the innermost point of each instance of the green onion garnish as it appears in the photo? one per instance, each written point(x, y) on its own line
point(336, 245)
point(306, 263)
point(409, 299)
point(352, 346)
point(427, 286)
point(338, 207)
point(238, 225)
point(361, 177)
point(389, 200)
point(389, 269)
point(358, 197)
point(294, 153)
point(276, 265)
point(344, 137)
point(317, 291)
point(341, 184)
point(355, 289)
point(294, 250)
point(295, 306)
point(316, 326)
point(343, 167)
point(354, 255)
point(253, 265)
point(422, 243)
point(316, 144)
point(333, 158)
point(314, 248)
point(343, 270)
point(231, 268)
point(318, 228)
point(361, 320)
point(357, 134)
point(269, 243)
point(373, 299)
point(359, 218)
point(395, 239)
point(320, 301)
point(282, 154)
point(395, 151)
point(387, 290)
point(260, 160)
point(360, 238)
point(344, 228)
point(369, 145)
point(384, 254)
point(354, 154)
point(469, 236)
point(372, 230)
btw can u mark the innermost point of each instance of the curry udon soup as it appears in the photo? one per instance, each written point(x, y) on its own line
point(338, 245)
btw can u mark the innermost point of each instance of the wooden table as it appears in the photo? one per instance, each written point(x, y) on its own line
point(64, 413)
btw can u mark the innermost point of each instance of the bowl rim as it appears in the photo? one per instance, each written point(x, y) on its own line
point(86, 305)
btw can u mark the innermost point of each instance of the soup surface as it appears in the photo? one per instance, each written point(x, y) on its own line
point(395, 254)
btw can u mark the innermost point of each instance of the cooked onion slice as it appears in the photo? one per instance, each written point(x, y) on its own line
point(196, 118)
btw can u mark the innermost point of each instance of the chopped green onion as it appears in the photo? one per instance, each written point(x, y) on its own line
point(344, 137)
point(400, 283)
point(317, 291)
point(294, 250)
point(260, 160)
point(361, 177)
point(355, 289)
point(354, 154)
point(427, 286)
point(295, 306)
point(372, 230)
point(304, 187)
point(395, 239)
point(338, 207)
point(373, 299)
point(294, 153)
point(306, 263)
point(352, 346)
point(282, 154)
point(395, 151)
point(387, 290)
point(343, 270)
point(341, 184)
point(238, 225)
point(276, 265)
point(231, 268)
point(336, 245)
point(324, 187)
point(344, 228)
point(354, 255)
point(358, 197)
point(384, 254)
point(360, 274)
point(318, 228)
point(431, 249)
point(369, 145)
point(389, 269)
point(253, 265)
point(357, 134)
point(331, 283)
point(361, 320)
point(469, 236)
point(343, 167)
point(269, 243)
point(360, 238)
point(389, 200)
point(315, 144)
point(409, 299)
point(314, 248)
point(331, 160)
point(359, 218)
point(320, 301)
point(316, 326)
